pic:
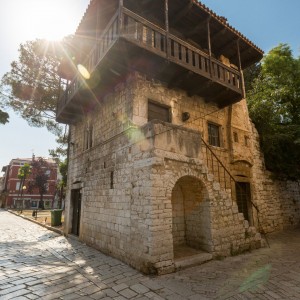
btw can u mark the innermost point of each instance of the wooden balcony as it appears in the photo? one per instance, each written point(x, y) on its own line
point(131, 43)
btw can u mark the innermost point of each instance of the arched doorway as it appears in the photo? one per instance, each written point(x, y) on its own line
point(191, 219)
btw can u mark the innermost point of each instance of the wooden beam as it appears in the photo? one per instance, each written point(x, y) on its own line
point(209, 46)
point(97, 22)
point(183, 12)
point(121, 5)
point(229, 46)
point(167, 27)
point(216, 36)
point(240, 68)
point(199, 26)
point(200, 88)
point(208, 37)
point(178, 79)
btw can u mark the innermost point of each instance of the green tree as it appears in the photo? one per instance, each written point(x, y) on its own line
point(32, 86)
point(63, 169)
point(274, 106)
point(39, 178)
point(3, 117)
point(23, 174)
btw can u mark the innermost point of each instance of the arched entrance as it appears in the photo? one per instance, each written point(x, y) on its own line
point(191, 219)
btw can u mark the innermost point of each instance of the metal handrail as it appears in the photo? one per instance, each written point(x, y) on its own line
point(226, 171)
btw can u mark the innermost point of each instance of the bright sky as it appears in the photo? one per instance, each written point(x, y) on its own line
point(20, 21)
point(265, 22)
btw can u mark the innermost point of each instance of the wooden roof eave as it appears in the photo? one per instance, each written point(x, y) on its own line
point(223, 36)
point(245, 42)
point(251, 48)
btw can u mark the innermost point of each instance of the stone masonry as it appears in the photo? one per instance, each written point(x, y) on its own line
point(148, 187)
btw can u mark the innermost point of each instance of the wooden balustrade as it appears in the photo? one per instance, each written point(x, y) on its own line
point(151, 37)
point(147, 35)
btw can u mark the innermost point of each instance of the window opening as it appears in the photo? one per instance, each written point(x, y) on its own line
point(246, 140)
point(214, 135)
point(235, 137)
point(158, 112)
point(112, 179)
point(88, 137)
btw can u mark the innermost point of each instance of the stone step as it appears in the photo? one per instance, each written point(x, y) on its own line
point(192, 260)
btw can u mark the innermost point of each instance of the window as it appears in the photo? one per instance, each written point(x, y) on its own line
point(33, 204)
point(112, 179)
point(18, 185)
point(88, 137)
point(247, 140)
point(159, 112)
point(214, 134)
point(235, 137)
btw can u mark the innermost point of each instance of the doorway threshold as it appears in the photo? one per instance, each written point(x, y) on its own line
point(185, 256)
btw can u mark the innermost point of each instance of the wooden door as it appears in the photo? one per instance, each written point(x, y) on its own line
point(243, 197)
point(76, 204)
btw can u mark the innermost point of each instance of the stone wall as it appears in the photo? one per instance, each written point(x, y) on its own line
point(148, 187)
point(278, 201)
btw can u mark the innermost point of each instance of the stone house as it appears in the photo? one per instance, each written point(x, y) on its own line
point(165, 168)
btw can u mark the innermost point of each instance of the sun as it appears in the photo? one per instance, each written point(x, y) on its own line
point(47, 19)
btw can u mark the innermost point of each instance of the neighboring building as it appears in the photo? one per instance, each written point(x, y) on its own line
point(15, 197)
point(164, 160)
point(2, 196)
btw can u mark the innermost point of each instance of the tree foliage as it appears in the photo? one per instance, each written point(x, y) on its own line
point(32, 86)
point(63, 170)
point(274, 105)
point(3, 117)
point(24, 172)
point(39, 178)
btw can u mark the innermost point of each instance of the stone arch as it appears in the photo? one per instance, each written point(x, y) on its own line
point(191, 220)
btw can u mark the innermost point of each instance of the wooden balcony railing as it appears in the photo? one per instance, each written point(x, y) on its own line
point(151, 37)
point(104, 43)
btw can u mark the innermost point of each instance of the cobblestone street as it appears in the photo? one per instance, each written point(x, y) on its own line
point(39, 264)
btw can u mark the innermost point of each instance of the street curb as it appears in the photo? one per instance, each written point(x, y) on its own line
point(36, 222)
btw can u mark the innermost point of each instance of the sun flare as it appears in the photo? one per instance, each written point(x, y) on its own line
point(47, 19)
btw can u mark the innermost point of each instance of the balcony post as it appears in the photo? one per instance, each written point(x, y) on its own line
point(120, 21)
point(240, 69)
point(209, 46)
point(167, 26)
point(97, 23)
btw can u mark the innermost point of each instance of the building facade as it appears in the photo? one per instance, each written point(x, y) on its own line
point(18, 195)
point(163, 159)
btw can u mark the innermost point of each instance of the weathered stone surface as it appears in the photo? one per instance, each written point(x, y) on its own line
point(148, 187)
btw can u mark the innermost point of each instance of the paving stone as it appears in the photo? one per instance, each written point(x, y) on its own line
point(98, 295)
point(120, 287)
point(110, 293)
point(120, 298)
point(71, 296)
point(32, 296)
point(12, 289)
point(127, 293)
point(14, 294)
point(37, 264)
point(139, 288)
